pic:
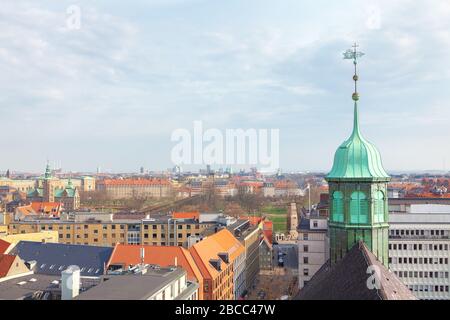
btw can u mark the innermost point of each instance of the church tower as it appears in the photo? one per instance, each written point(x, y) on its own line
point(47, 185)
point(358, 191)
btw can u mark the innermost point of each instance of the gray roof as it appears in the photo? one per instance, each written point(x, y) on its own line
point(305, 225)
point(52, 258)
point(24, 287)
point(347, 280)
point(132, 286)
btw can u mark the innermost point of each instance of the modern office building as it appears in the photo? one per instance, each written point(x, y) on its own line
point(419, 249)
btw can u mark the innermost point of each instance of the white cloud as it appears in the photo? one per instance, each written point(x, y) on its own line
point(135, 75)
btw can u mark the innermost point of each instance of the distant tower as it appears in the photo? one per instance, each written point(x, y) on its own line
point(47, 185)
point(8, 174)
point(358, 191)
point(293, 221)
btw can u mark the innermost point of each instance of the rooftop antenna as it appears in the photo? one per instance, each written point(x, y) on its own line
point(142, 255)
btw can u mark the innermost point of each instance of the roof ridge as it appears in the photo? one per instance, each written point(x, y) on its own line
point(372, 261)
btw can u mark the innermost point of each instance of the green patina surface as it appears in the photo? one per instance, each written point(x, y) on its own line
point(358, 198)
point(358, 191)
point(357, 158)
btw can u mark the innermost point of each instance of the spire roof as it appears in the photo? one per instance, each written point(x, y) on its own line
point(357, 158)
point(48, 171)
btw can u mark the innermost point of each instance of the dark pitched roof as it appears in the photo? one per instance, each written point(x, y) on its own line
point(348, 280)
point(52, 258)
point(24, 287)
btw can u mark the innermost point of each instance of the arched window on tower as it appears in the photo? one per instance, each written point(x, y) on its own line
point(379, 207)
point(338, 207)
point(359, 208)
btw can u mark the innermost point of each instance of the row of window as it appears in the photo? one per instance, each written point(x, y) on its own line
point(422, 288)
point(419, 233)
point(403, 260)
point(423, 274)
point(162, 226)
point(85, 236)
point(62, 267)
point(163, 235)
point(180, 244)
point(68, 227)
point(359, 207)
point(416, 246)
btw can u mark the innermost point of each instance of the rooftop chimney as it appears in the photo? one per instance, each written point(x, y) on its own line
point(70, 283)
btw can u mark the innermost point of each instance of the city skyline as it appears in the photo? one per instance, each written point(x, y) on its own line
point(111, 93)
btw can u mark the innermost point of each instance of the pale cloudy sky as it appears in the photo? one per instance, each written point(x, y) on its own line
point(111, 93)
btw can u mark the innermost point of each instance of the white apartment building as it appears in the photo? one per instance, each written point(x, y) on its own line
point(419, 249)
point(313, 247)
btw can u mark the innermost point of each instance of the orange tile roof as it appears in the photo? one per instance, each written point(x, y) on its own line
point(46, 207)
point(285, 184)
point(186, 215)
point(256, 184)
point(427, 195)
point(6, 261)
point(254, 220)
point(268, 230)
point(4, 245)
point(209, 248)
point(26, 210)
point(128, 255)
point(268, 234)
point(134, 182)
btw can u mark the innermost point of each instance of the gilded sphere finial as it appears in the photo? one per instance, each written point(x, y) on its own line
point(355, 97)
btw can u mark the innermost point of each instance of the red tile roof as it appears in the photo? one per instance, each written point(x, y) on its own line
point(254, 220)
point(186, 215)
point(4, 245)
point(6, 261)
point(128, 255)
point(256, 184)
point(46, 207)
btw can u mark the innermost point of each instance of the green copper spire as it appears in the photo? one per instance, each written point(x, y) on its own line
point(48, 171)
point(357, 158)
point(358, 191)
point(69, 184)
